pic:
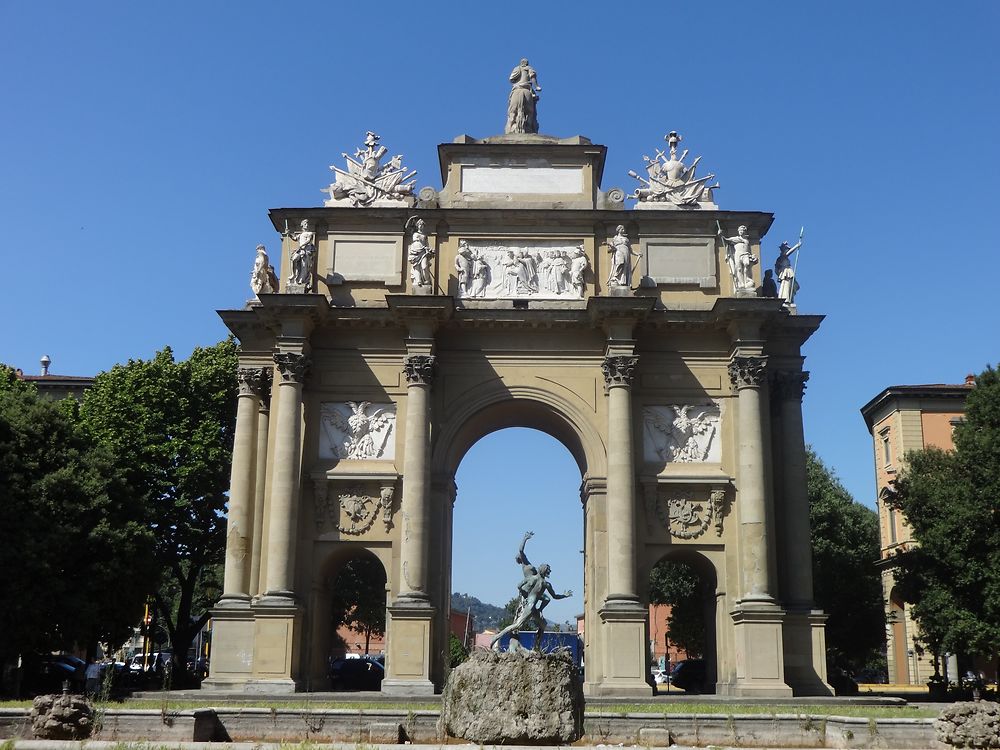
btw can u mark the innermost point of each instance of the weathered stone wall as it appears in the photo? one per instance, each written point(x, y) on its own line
point(970, 724)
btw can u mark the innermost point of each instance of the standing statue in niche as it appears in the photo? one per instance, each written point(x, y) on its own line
point(788, 285)
point(419, 253)
point(263, 279)
point(522, 115)
point(620, 248)
point(740, 259)
point(303, 256)
point(480, 275)
point(535, 592)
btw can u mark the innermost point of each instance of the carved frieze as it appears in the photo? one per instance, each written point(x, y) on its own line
point(293, 367)
point(619, 370)
point(682, 433)
point(355, 430)
point(419, 368)
point(536, 269)
point(748, 372)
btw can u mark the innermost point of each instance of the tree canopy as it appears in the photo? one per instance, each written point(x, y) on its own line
point(678, 585)
point(359, 598)
point(951, 501)
point(846, 583)
point(75, 550)
point(169, 426)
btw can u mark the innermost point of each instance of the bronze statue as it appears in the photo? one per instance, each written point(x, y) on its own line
point(535, 592)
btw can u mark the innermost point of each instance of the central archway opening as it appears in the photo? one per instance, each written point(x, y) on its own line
point(509, 482)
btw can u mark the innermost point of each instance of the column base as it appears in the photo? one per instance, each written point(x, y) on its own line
point(760, 669)
point(408, 665)
point(804, 638)
point(277, 632)
point(231, 665)
point(626, 650)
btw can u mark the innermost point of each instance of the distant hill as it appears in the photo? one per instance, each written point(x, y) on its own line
point(487, 616)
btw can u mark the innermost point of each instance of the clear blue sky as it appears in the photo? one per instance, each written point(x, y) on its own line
point(142, 144)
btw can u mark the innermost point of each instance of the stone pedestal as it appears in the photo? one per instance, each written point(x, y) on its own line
point(514, 698)
point(408, 658)
point(626, 652)
point(804, 634)
point(760, 669)
point(277, 626)
point(231, 666)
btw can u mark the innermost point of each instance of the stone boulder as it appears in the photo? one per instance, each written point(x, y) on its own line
point(970, 724)
point(61, 717)
point(514, 698)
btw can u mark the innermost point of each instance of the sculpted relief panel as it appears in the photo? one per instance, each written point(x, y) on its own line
point(358, 430)
point(683, 433)
point(491, 269)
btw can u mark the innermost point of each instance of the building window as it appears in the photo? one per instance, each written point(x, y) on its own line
point(886, 448)
point(892, 525)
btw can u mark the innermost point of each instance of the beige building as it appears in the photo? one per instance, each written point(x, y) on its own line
point(524, 296)
point(905, 418)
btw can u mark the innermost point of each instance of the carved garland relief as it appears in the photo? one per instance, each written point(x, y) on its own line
point(355, 510)
point(685, 517)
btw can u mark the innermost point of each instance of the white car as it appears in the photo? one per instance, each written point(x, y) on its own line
point(660, 678)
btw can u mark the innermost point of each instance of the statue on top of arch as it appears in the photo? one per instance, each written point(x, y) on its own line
point(670, 183)
point(368, 182)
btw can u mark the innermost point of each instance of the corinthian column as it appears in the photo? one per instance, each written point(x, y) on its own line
point(748, 375)
point(263, 417)
point(283, 514)
point(789, 388)
point(419, 372)
point(618, 375)
point(235, 587)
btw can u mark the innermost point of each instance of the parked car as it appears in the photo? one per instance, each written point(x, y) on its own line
point(46, 673)
point(365, 673)
point(689, 675)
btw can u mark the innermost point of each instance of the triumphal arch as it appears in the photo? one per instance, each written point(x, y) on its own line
point(408, 324)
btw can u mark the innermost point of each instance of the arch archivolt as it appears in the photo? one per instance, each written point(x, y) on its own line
point(542, 405)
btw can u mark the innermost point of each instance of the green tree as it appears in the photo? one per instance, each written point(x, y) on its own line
point(846, 583)
point(169, 426)
point(75, 550)
point(457, 653)
point(510, 608)
point(359, 598)
point(679, 586)
point(951, 501)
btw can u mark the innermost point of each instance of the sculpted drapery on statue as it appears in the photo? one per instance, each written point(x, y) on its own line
point(303, 257)
point(419, 252)
point(535, 593)
point(522, 113)
point(739, 258)
point(263, 279)
point(620, 248)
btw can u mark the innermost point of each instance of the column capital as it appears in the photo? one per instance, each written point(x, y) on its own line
point(266, 378)
point(748, 372)
point(292, 366)
point(789, 384)
point(619, 370)
point(419, 369)
point(251, 381)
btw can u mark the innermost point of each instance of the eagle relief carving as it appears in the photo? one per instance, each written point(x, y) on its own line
point(683, 433)
point(358, 430)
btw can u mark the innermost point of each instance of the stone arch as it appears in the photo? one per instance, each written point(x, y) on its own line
point(482, 412)
point(327, 570)
point(709, 566)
